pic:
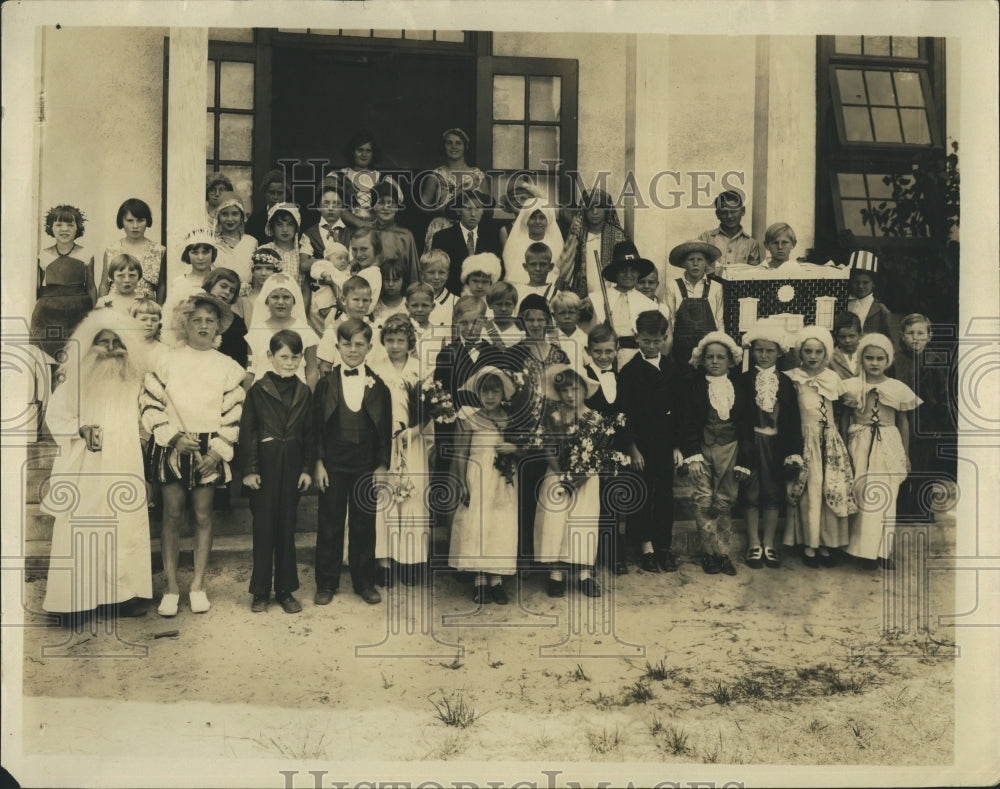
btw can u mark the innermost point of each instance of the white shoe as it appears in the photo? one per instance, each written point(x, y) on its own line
point(199, 602)
point(168, 605)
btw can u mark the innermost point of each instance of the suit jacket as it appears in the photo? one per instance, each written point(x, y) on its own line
point(451, 240)
point(274, 433)
point(877, 319)
point(454, 366)
point(376, 404)
point(599, 402)
point(694, 417)
point(316, 238)
point(649, 398)
point(789, 422)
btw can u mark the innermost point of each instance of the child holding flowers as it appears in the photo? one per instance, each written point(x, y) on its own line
point(484, 531)
point(569, 534)
point(402, 530)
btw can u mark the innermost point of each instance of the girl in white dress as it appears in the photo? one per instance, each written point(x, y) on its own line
point(568, 513)
point(878, 437)
point(402, 529)
point(484, 531)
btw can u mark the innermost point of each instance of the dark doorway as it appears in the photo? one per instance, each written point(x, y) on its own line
point(320, 98)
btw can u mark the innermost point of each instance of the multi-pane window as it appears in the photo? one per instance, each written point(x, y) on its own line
point(230, 119)
point(448, 36)
point(526, 115)
point(880, 114)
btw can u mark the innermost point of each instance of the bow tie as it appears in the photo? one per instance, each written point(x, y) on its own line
point(354, 371)
point(609, 371)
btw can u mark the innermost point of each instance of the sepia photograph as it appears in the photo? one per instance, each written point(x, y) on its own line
point(454, 394)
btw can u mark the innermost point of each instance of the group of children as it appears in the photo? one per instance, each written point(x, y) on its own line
point(331, 358)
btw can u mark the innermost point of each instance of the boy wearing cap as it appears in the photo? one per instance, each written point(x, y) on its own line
point(734, 244)
point(473, 234)
point(694, 300)
point(625, 270)
point(873, 313)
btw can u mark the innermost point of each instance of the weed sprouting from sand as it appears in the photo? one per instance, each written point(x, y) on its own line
point(657, 671)
point(675, 740)
point(603, 701)
point(579, 674)
point(606, 741)
point(638, 693)
point(815, 727)
point(311, 747)
point(451, 746)
point(455, 711)
point(721, 694)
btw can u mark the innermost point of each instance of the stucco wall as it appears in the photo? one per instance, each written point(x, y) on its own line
point(103, 129)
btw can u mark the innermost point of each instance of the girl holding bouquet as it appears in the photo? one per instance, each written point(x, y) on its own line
point(402, 530)
point(484, 531)
point(569, 498)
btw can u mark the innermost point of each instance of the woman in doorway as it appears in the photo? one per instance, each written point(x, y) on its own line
point(357, 181)
point(455, 175)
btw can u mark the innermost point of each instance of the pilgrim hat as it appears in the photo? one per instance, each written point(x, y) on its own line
point(624, 254)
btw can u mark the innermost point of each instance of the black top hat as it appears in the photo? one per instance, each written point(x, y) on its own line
point(624, 254)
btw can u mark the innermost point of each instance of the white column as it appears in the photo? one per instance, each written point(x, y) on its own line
point(791, 139)
point(651, 145)
point(185, 142)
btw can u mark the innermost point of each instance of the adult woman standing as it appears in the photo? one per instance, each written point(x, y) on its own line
point(358, 180)
point(438, 192)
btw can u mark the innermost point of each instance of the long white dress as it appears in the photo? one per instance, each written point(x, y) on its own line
point(100, 539)
point(484, 533)
point(402, 528)
point(566, 522)
point(879, 463)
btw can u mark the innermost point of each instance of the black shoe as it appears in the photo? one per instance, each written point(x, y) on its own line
point(480, 594)
point(409, 574)
point(755, 557)
point(827, 560)
point(288, 603)
point(886, 563)
point(590, 588)
point(133, 607)
point(370, 595)
point(648, 563)
point(259, 604)
point(725, 565)
point(621, 567)
point(810, 561)
point(868, 564)
point(385, 577)
point(323, 596)
point(554, 588)
point(771, 558)
point(710, 564)
point(499, 595)
point(666, 561)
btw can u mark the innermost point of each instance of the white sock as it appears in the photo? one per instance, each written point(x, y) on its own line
point(556, 575)
point(647, 547)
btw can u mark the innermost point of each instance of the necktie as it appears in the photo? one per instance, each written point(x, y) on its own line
point(354, 371)
point(470, 244)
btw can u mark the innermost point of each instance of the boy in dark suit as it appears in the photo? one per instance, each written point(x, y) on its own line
point(648, 395)
point(352, 419)
point(473, 234)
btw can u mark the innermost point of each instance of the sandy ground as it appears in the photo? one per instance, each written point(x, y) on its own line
point(786, 666)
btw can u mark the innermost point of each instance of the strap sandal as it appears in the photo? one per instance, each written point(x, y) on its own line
point(754, 555)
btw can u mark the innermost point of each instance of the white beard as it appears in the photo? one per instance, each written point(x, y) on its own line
point(109, 379)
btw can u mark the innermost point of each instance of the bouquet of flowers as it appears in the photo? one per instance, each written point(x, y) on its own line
point(589, 450)
point(523, 438)
point(432, 402)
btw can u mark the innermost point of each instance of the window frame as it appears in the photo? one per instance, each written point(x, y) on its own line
point(834, 154)
point(568, 70)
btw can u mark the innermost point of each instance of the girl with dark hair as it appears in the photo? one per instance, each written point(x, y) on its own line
point(134, 219)
point(439, 190)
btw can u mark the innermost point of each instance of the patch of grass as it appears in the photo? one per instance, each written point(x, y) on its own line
point(721, 694)
point(579, 674)
point(455, 711)
point(604, 701)
point(606, 741)
point(655, 726)
point(815, 727)
point(676, 741)
point(750, 688)
point(657, 671)
point(451, 746)
point(311, 746)
point(638, 693)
